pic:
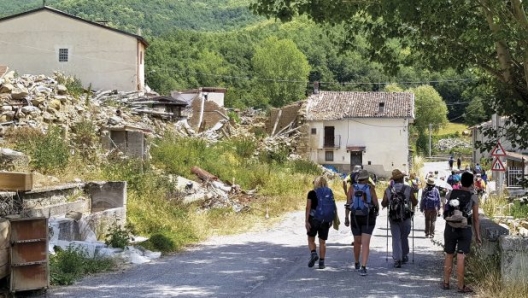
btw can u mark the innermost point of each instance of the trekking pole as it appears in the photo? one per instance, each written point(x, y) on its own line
point(387, 246)
point(412, 219)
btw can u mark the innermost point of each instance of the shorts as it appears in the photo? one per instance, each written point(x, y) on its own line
point(318, 228)
point(361, 225)
point(457, 236)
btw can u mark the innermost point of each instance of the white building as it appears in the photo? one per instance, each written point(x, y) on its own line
point(360, 128)
point(45, 40)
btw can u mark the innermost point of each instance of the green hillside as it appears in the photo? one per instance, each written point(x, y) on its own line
point(153, 17)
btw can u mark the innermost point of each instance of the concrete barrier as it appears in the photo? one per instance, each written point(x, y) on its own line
point(514, 259)
point(512, 250)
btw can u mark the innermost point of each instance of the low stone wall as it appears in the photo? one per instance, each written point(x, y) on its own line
point(490, 232)
point(512, 250)
point(514, 259)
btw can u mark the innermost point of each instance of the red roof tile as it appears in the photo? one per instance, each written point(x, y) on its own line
point(335, 105)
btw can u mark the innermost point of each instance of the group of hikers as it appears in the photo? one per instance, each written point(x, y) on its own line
point(459, 209)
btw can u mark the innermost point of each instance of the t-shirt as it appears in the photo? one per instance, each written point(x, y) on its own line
point(313, 197)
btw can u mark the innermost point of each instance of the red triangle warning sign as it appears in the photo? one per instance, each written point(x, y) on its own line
point(498, 165)
point(498, 150)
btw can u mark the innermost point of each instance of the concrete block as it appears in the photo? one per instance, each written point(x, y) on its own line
point(82, 206)
point(490, 232)
point(107, 195)
point(514, 259)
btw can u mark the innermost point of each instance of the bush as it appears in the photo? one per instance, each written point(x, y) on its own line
point(49, 151)
point(66, 266)
point(161, 242)
point(118, 237)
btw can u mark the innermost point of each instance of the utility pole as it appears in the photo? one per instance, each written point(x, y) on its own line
point(495, 119)
point(43, 3)
point(430, 137)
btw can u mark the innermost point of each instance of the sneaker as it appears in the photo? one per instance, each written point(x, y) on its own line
point(405, 259)
point(363, 271)
point(321, 264)
point(397, 264)
point(357, 266)
point(313, 259)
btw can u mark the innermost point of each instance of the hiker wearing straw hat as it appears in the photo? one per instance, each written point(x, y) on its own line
point(430, 206)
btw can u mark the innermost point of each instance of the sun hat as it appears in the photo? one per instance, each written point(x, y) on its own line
point(397, 174)
point(363, 175)
point(430, 181)
point(357, 168)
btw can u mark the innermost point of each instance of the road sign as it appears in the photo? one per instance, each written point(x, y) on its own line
point(498, 166)
point(498, 150)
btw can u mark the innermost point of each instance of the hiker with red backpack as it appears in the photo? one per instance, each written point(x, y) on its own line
point(400, 201)
point(430, 206)
point(320, 214)
point(360, 214)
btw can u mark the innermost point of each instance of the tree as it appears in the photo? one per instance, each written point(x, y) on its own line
point(486, 34)
point(281, 71)
point(430, 109)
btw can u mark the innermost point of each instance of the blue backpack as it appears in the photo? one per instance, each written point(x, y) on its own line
point(326, 209)
point(361, 201)
point(431, 200)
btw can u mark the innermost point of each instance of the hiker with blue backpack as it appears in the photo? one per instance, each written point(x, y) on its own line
point(321, 211)
point(430, 206)
point(360, 214)
point(400, 201)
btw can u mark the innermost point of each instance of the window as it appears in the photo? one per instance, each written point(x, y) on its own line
point(329, 155)
point(381, 107)
point(314, 131)
point(63, 55)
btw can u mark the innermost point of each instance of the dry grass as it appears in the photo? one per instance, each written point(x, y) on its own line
point(452, 128)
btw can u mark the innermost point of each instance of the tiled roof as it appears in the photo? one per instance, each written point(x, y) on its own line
point(47, 8)
point(336, 105)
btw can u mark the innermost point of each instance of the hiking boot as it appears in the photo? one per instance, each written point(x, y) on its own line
point(313, 259)
point(397, 264)
point(357, 266)
point(363, 271)
point(321, 264)
point(405, 259)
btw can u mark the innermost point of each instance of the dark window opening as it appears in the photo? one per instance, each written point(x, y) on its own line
point(329, 155)
point(314, 131)
point(63, 55)
point(329, 137)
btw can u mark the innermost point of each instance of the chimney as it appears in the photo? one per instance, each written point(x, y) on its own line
point(316, 87)
point(138, 32)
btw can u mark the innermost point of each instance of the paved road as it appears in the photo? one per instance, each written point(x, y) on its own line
point(273, 263)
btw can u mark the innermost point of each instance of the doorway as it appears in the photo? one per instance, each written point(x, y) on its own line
point(356, 158)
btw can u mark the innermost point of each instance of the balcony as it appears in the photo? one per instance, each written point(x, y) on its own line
point(332, 142)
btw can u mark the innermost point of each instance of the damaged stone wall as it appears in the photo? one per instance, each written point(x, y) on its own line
point(212, 114)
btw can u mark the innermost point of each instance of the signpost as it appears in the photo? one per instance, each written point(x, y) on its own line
point(497, 165)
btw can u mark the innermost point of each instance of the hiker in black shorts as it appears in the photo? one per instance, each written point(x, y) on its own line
point(461, 215)
point(362, 225)
point(315, 227)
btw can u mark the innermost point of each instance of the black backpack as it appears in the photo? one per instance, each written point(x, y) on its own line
point(399, 205)
point(465, 204)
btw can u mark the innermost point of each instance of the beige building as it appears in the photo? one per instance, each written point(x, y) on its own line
point(360, 128)
point(45, 40)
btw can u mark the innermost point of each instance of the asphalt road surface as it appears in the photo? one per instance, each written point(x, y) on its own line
point(273, 263)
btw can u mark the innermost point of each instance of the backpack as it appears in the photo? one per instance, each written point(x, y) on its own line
point(459, 216)
point(430, 199)
point(326, 209)
point(399, 205)
point(361, 201)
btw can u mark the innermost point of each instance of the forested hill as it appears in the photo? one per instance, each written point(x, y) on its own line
point(154, 17)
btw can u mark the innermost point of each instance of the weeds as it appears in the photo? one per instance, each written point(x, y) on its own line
point(66, 266)
point(118, 236)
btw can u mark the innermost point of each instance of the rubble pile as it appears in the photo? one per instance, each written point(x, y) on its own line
point(448, 144)
point(37, 101)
